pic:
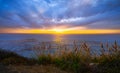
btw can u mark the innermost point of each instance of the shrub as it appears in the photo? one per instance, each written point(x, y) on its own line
point(7, 57)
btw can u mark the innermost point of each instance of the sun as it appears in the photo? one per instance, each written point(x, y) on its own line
point(58, 30)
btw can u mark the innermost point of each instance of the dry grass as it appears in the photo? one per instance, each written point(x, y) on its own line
point(79, 57)
point(35, 69)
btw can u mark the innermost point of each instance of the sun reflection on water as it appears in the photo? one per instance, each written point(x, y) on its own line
point(58, 38)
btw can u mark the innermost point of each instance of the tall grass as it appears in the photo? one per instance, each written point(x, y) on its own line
point(80, 58)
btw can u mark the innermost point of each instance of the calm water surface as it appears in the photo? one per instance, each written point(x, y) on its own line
point(18, 42)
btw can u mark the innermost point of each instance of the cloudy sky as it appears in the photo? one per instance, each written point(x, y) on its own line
point(45, 14)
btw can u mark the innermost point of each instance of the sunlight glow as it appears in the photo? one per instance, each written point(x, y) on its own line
point(62, 31)
point(58, 30)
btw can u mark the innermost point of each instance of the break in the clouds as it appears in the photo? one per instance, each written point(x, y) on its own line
point(93, 14)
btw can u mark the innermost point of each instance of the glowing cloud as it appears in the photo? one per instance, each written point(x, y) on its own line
point(54, 14)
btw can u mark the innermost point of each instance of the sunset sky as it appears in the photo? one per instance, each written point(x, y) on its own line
point(60, 16)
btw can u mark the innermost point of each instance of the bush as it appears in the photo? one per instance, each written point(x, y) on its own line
point(7, 57)
point(44, 59)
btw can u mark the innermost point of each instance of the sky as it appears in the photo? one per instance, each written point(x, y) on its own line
point(39, 16)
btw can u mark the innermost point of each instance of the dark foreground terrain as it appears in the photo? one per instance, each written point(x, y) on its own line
point(30, 69)
point(75, 61)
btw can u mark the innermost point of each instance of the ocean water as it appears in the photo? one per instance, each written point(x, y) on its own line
point(23, 44)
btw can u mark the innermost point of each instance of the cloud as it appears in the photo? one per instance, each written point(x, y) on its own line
point(70, 13)
point(69, 20)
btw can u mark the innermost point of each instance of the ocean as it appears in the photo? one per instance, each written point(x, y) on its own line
point(22, 43)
